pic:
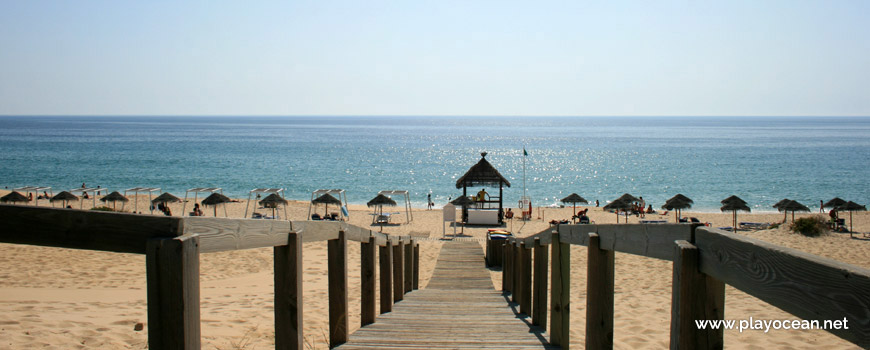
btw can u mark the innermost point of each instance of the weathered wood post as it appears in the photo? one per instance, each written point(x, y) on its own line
point(409, 266)
point(488, 258)
point(172, 269)
point(288, 294)
point(386, 263)
point(337, 278)
point(367, 281)
point(398, 271)
point(506, 271)
point(560, 292)
point(599, 295)
point(517, 264)
point(416, 265)
point(695, 296)
point(539, 309)
point(526, 280)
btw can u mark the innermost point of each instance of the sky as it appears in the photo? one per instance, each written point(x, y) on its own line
point(445, 57)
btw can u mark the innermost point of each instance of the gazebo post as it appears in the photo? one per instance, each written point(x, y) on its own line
point(500, 210)
point(464, 208)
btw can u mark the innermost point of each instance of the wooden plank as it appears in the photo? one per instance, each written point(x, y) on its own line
point(172, 269)
point(316, 231)
point(337, 278)
point(84, 229)
point(691, 301)
point(367, 281)
point(516, 279)
point(539, 307)
point(560, 292)
point(398, 271)
point(805, 285)
point(526, 280)
point(416, 284)
point(507, 271)
point(599, 295)
point(385, 255)
point(222, 234)
point(649, 240)
point(408, 279)
point(288, 294)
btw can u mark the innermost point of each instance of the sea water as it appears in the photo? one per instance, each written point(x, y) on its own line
point(760, 159)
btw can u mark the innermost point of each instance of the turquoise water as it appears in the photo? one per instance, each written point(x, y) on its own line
point(761, 160)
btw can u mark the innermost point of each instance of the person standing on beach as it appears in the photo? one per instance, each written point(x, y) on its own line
point(429, 201)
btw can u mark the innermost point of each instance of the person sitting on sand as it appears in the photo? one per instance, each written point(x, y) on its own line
point(196, 210)
point(509, 214)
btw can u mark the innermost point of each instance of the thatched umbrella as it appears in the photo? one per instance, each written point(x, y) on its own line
point(628, 198)
point(64, 197)
point(618, 205)
point(114, 197)
point(14, 197)
point(166, 197)
point(851, 206)
point(272, 201)
point(733, 206)
point(793, 206)
point(782, 203)
point(574, 199)
point(677, 203)
point(214, 199)
point(732, 199)
point(326, 199)
point(463, 202)
point(834, 204)
point(379, 202)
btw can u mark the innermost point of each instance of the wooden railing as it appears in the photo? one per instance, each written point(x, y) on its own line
point(704, 260)
point(172, 246)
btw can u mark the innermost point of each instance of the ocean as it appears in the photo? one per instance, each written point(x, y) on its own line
point(760, 159)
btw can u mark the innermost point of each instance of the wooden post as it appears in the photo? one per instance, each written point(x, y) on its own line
point(398, 272)
point(288, 294)
point(560, 292)
point(172, 269)
point(506, 272)
point(367, 281)
point(488, 258)
point(599, 296)
point(386, 264)
point(517, 272)
point(416, 265)
point(696, 296)
point(526, 280)
point(539, 309)
point(337, 271)
point(408, 279)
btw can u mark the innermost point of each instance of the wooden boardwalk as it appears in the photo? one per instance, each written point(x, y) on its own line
point(459, 309)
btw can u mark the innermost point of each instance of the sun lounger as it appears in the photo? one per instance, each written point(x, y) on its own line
point(653, 221)
point(753, 225)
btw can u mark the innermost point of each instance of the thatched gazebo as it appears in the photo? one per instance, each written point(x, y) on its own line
point(851, 206)
point(618, 205)
point(166, 197)
point(272, 201)
point(64, 197)
point(677, 203)
point(216, 199)
point(793, 206)
point(378, 203)
point(783, 202)
point(14, 197)
point(574, 199)
point(114, 197)
point(326, 199)
point(484, 174)
point(734, 204)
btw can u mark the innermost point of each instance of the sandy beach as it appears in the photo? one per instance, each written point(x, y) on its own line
point(70, 299)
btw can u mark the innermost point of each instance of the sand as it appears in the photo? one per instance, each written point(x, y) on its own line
point(64, 298)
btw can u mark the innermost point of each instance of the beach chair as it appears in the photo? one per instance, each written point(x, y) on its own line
point(316, 216)
point(584, 220)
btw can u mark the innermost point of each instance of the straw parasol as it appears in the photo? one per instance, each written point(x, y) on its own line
point(166, 197)
point(851, 206)
point(114, 197)
point(678, 203)
point(781, 203)
point(628, 198)
point(14, 197)
point(574, 199)
point(326, 199)
point(272, 201)
point(379, 202)
point(618, 205)
point(64, 197)
point(834, 203)
point(214, 199)
point(464, 202)
point(793, 206)
point(733, 206)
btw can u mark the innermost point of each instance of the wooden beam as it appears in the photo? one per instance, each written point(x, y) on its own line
point(408, 279)
point(507, 272)
point(649, 240)
point(560, 292)
point(172, 270)
point(805, 285)
point(367, 282)
point(516, 279)
point(288, 294)
point(398, 271)
point(221, 234)
point(338, 306)
point(385, 260)
point(599, 295)
point(539, 308)
point(692, 300)
point(416, 265)
point(526, 278)
point(84, 229)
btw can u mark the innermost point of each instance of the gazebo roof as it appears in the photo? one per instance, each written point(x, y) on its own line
point(482, 173)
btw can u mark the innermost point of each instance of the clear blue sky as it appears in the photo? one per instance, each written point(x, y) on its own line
point(435, 57)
